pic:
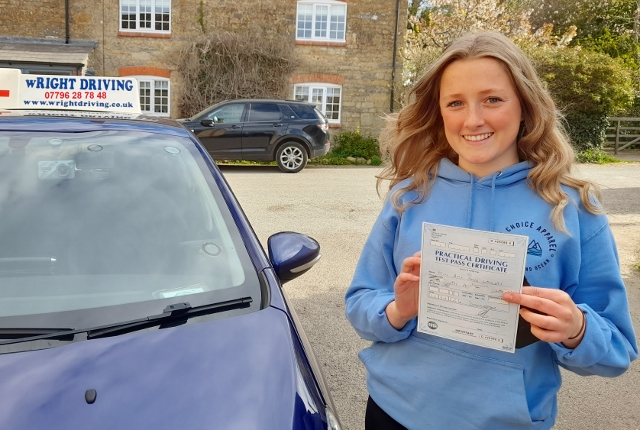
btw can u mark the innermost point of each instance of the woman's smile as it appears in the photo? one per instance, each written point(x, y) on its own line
point(477, 137)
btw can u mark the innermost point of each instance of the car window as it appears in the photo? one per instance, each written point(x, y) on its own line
point(264, 112)
point(304, 111)
point(228, 114)
point(104, 218)
point(286, 110)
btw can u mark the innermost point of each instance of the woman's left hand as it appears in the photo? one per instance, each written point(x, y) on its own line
point(553, 315)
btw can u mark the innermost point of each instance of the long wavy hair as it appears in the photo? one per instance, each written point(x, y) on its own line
point(415, 142)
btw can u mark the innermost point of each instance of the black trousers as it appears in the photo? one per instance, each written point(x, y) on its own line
point(377, 419)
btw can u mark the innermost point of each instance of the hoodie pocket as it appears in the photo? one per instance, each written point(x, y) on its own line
point(450, 388)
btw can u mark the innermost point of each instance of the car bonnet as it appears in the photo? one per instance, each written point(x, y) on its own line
point(234, 373)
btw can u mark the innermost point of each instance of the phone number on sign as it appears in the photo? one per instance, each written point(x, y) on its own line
point(74, 95)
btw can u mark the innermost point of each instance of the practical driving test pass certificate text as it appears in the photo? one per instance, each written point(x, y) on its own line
point(462, 277)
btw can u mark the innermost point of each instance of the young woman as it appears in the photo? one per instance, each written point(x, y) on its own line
point(479, 146)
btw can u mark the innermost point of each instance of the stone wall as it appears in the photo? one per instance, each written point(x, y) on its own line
point(32, 18)
point(364, 62)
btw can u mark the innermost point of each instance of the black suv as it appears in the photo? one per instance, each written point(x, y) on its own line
point(289, 132)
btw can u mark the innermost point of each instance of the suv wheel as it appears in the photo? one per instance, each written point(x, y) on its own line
point(291, 157)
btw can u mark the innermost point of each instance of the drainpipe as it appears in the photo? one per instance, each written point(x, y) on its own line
point(395, 49)
point(66, 20)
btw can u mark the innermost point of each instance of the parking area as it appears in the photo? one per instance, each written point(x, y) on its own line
point(338, 205)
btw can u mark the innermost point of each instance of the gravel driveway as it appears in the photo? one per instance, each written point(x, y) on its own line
point(338, 205)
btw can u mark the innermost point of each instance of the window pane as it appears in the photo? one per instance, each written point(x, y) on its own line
point(128, 14)
point(317, 94)
point(304, 111)
point(162, 15)
point(145, 95)
point(333, 103)
point(338, 11)
point(161, 97)
point(305, 21)
point(301, 93)
point(145, 13)
point(228, 114)
point(336, 30)
point(322, 15)
point(265, 112)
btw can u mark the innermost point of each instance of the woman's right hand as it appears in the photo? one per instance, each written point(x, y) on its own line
point(405, 306)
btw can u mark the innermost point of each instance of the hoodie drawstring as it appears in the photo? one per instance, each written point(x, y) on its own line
point(493, 194)
point(470, 201)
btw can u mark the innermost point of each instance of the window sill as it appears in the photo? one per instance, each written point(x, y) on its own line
point(320, 43)
point(144, 34)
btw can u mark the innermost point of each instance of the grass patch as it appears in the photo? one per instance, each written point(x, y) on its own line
point(330, 160)
point(333, 159)
point(245, 162)
point(596, 156)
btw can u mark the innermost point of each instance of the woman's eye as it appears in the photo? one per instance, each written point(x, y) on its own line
point(493, 99)
point(455, 103)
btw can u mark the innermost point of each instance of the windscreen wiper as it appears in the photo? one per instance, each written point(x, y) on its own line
point(172, 315)
point(48, 333)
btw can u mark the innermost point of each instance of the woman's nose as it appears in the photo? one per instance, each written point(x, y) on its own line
point(474, 118)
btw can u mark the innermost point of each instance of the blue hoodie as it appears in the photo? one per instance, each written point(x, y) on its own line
point(427, 382)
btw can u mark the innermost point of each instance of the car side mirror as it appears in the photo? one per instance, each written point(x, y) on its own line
point(292, 254)
point(207, 122)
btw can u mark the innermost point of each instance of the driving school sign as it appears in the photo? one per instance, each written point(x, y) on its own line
point(98, 94)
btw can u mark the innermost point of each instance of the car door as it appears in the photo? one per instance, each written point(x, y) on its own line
point(220, 131)
point(265, 123)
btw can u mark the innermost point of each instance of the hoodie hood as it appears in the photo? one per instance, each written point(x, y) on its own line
point(449, 171)
point(509, 176)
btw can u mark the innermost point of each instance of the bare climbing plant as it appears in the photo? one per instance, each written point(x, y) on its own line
point(224, 66)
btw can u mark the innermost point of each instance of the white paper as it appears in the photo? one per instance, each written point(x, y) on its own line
point(462, 277)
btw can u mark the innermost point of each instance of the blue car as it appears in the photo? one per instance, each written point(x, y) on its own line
point(134, 293)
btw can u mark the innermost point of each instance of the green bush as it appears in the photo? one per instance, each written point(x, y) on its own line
point(586, 129)
point(353, 144)
point(588, 87)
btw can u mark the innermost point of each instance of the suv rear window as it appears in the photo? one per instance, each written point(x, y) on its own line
point(304, 111)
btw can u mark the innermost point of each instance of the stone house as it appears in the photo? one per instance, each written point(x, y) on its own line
point(345, 50)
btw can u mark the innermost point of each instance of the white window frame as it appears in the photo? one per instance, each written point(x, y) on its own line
point(137, 14)
point(322, 106)
point(152, 80)
point(315, 4)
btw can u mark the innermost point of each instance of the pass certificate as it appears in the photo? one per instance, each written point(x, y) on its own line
point(462, 277)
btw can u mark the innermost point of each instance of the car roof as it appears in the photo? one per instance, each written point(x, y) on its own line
point(82, 120)
point(266, 101)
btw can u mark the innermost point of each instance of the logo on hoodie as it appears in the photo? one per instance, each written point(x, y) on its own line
point(542, 243)
point(534, 249)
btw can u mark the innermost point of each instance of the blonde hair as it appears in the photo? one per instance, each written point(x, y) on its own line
point(415, 142)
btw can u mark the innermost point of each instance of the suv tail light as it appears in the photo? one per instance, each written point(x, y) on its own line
point(324, 127)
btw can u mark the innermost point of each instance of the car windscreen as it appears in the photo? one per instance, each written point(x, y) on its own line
point(99, 219)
